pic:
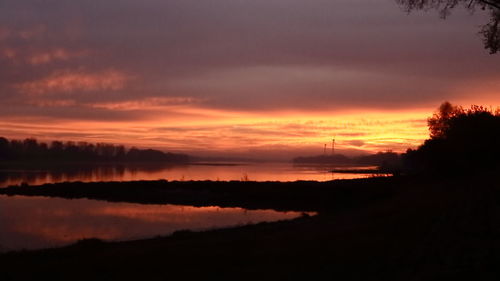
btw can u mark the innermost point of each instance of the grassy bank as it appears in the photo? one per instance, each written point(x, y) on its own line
point(285, 196)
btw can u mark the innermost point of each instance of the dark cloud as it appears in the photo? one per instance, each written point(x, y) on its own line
point(234, 54)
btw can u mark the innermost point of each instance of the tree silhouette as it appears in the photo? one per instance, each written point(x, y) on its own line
point(490, 31)
point(461, 140)
point(439, 123)
point(31, 150)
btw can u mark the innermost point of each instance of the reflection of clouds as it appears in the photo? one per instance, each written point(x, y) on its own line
point(64, 173)
point(40, 222)
point(260, 172)
point(55, 233)
point(179, 214)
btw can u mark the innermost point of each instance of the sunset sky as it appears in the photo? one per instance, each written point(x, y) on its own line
point(250, 78)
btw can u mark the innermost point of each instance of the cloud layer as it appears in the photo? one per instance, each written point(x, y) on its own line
point(195, 63)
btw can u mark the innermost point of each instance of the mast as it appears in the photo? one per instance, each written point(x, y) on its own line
point(333, 145)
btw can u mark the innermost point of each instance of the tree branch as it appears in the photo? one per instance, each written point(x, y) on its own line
point(492, 4)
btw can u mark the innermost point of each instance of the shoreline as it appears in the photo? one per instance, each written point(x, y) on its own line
point(397, 228)
point(301, 196)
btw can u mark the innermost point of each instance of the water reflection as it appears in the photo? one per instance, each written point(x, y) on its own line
point(37, 222)
point(253, 172)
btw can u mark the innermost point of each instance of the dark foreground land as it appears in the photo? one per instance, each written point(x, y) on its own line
point(403, 228)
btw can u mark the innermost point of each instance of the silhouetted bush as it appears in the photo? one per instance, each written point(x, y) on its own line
point(89, 243)
point(460, 139)
point(387, 159)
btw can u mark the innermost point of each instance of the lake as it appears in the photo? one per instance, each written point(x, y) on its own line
point(41, 222)
point(207, 171)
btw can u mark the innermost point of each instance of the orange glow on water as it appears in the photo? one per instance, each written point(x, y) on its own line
point(284, 172)
point(48, 222)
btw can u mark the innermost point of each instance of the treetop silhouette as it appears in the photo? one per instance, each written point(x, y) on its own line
point(490, 31)
point(31, 150)
point(460, 139)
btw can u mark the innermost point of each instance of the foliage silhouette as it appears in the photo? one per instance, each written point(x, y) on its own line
point(460, 140)
point(32, 150)
point(490, 31)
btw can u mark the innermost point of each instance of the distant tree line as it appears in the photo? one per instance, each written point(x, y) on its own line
point(385, 160)
point(32, 150)
point(460, 140)
point(339, 159)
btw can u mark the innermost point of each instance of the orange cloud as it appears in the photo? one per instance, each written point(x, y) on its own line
point(32, 32)
point(26, 33)
point(286, 134)
point(52, 103)
point(69, 81)
point(9, 53)
point(146, 104)
point(58, 54)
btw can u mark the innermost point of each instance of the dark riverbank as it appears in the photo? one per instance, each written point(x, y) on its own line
point(374, 229)
point(281, 196)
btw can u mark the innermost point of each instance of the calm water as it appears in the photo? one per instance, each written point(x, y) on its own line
point(39, 222)
point(253, 172)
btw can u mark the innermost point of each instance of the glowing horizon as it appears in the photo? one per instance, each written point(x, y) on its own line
point(253, 79)
point(237, 134)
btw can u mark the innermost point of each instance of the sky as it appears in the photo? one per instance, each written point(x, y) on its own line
point(245, 78)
